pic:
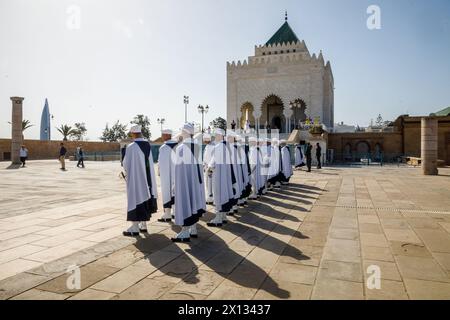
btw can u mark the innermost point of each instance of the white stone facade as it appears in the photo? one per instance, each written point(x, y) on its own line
point(280, 73)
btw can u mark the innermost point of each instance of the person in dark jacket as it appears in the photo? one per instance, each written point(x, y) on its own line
point(319, 156)
point(308, 156)
point(80, 154)
point(62, 156)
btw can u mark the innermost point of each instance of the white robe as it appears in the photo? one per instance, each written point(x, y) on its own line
point(235, 161)
point(207, 157)
point(167, 173)
point(265, 163)
point(299, 156)
point(255, 158)
point(141, 181)
point(223, 177)
point(190, 203)
point(247, 186)
point(275, 161)
point(286, 162)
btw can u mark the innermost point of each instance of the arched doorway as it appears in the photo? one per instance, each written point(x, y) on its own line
point(272, 113)
point(247, 110)
point(347, 152)
point(377, 153)
point(277, 123)
point(362, 150)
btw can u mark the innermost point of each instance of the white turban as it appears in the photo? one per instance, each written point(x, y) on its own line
point(188, 128)
point(219, 131)
point(136, 129)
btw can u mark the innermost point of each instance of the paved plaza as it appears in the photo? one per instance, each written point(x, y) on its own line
point(315, 239)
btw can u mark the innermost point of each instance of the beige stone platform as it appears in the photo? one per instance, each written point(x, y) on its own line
point(313, 240)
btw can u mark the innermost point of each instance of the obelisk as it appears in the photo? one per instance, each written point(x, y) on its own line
point(429, 146)
point(16, 124)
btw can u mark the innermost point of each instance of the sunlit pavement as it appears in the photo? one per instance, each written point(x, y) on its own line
point(338, 233)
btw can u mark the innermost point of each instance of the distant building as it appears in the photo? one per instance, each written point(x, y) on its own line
point(45, 123)
point(281, 71)
point(341, 128)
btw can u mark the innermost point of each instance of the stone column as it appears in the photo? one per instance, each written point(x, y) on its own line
point(429, 146)
point(16, 124)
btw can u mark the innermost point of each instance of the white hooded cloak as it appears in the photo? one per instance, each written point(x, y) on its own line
point(223, 177)
point(141, 181)
point(167, 173)
point(190, 202)
point(286, 164)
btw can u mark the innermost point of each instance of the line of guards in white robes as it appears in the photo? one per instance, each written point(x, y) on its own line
point(227, 174)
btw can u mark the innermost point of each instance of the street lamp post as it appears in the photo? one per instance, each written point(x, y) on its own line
point(186, 102)
point(294, 105)
point(161, 122)
point(203, 110)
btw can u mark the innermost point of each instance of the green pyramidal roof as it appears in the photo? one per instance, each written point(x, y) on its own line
point(284, 34)
point(442, 113)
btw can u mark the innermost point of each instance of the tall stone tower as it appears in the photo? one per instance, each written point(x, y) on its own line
point(281, 71)
point(16, 124)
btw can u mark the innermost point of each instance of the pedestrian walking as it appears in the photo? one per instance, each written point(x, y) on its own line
point(319, 156)
point(23, 153)
point(308, 156)
point(62, 156)
point(80, 155)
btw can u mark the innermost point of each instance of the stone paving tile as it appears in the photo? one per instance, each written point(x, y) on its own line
point(147, 289)
point(421, 269)
point(202, 282)
point(402, 235)
point(348, 271)
point(176, 295)
point(296, 273)
point(427, 290)
point(91, 294)
point(59, 251)
point(435, 240)
point(35, 294)
point(20, 232)
point(19, 252)
point(377, 253)
point(283, 290)
point(122, 280)
point(229, 291)
point(374, 240)
point(390, 290)
point(333, 289)
point(443, 259)
point(16, 266)
point(19, 283)
point(370, 228)
point(389, 270)
point(409, 249)
point(89, 275)
point(62, 238)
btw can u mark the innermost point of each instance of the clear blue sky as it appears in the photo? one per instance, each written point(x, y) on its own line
point(142, 56)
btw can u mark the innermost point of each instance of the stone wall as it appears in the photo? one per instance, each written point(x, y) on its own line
point(388, 143)
point(412, 136)
point(43, 150)
point(405, 140)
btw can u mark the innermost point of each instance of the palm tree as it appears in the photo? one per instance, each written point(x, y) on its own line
point(26, 124)
point(66, 131)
